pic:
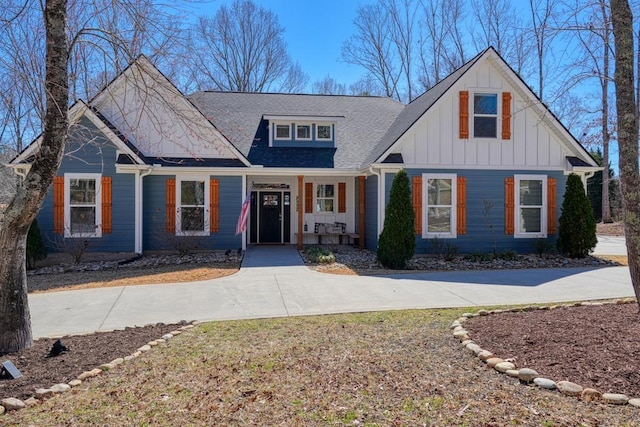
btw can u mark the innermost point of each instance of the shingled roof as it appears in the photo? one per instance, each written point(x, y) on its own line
point(361, 123)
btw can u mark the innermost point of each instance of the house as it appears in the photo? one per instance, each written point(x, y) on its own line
point(148, 168)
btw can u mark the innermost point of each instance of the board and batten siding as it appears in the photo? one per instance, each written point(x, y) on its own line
point(485, 185)
point(155, 235)
point(98, 155)
point(434, 140)
point(371, 212)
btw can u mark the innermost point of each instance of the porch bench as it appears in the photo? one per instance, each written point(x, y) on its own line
point(350, 236)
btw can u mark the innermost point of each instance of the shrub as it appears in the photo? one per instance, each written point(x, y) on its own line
point(477, 256)
point(320, 255)
point(542, 247)
point(577, 225)
point(36, 250)
point(397, 241)
point(509, 255)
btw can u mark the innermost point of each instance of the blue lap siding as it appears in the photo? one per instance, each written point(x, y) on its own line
point(371, 212)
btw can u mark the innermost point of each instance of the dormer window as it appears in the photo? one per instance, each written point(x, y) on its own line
point(283, 132)
point(303, 132)
point(323, 132)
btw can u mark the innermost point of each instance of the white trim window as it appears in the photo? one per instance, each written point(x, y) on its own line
point(303, 132)
point(485, 115)
point(82, 205)
point(192, 207)
point(324, 132)
point(325, 198)
point(439, 195)
point(531, 206)
point(283, 131)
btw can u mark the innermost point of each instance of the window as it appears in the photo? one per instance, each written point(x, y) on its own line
point(485, 115)
point(530, 205)
point(324, 198)
point(192, 208)
point(83, 208)
point(303, 131)
point(323, 132)
point(283, 132)
point(440, 194)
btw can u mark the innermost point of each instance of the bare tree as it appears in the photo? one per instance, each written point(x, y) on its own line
point(542, 27)
point(241, 48)
point(627, 133)
point(328, 86)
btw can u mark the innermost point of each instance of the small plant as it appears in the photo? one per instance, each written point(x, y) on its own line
point(320, 255)
point(509, 255)
point(477, 256)
point(450, 251)
point(577, 225)
point(542, 247)
point(36, 249)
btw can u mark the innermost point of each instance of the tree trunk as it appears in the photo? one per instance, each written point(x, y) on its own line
point(606, 204)
point(627, 134)
point(15, 321)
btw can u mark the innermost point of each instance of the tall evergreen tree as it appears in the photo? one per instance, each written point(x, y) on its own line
point(397, 242)
point(577, 226)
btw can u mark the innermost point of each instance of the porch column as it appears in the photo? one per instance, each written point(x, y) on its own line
point(361, 219)
point(299, 209)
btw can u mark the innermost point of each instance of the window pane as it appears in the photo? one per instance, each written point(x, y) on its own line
point(83, 220)
point(192, 193)
point(325, 190)
point(303, 132)
point(282, 131)
point(439, 220)
point(324, 132)
point(82, 191)
point(192, 219)
point(531, 192)
point(439, 192)
point(484, 127)
point(485, 103)
point(324, 205)
point(531, 220)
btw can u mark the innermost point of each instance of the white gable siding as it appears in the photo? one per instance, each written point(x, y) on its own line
point(433, 141)
point(157, 119)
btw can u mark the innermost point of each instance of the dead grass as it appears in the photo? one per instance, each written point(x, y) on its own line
point(374, 369)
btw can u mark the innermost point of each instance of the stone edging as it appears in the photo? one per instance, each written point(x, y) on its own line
point(12, 404)
point(527, 375)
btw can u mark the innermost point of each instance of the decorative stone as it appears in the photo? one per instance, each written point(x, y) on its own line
point(530, 308)
point(167, 336)
point(106, 366)
point(485, 355)
point(174, 333)
point(493, 361)
point(44, 393)
point(116, 362)
point(483, 313)
point(32, 401)
point(60, 388)
point(74, 383)
point(474, 348)
point(12, 404)
point(128, 358)
point(590, 395)
point(512, 373)
point(467, 315)
point(152, 343)
point(89, 374)
point(161, 341)
point(455, 324)
point(465, 342)
point(615, 398)
point(569, 388)
point(460, 333)
point(504, 366)
point(144, 348)
point(545, 383)
point(527, 375)
point(2, 409)
point(136, 354)
point(634, 402)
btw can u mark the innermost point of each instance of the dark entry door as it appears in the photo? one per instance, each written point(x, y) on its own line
point(270, 207)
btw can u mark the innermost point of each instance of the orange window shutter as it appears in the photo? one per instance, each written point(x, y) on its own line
point(461, 214)
point(551, 206)
point(58, 205)
point(342, 197)
point(417, 203)
point(464, 114)
point(509, 206)
point(214, 205)
point(171, 206)
point(308, 197)
point(506, 115)
point(106, 204)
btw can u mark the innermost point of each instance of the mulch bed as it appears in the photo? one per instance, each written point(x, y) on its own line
point(86, 352)
point(594, 346)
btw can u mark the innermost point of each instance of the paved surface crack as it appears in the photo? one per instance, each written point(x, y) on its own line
point(284, 304)
point(111, 308)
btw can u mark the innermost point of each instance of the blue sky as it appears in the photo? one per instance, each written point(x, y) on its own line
point(314, 32)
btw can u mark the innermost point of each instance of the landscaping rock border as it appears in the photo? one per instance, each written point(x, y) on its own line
point(528, 375)
point(12, 404)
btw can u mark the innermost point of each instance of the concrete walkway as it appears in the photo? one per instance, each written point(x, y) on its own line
point(273, 282)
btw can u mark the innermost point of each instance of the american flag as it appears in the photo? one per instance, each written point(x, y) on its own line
point(244, 213)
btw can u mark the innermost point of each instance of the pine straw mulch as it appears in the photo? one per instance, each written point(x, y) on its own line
point(373, 369)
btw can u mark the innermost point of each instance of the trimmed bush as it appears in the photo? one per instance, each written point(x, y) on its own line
point(577, 225)
point(36, 250)
point(397, 242)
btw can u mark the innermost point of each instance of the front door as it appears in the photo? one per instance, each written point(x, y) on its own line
point(270, 207)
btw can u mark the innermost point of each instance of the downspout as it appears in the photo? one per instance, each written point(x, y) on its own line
point(138, 208)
